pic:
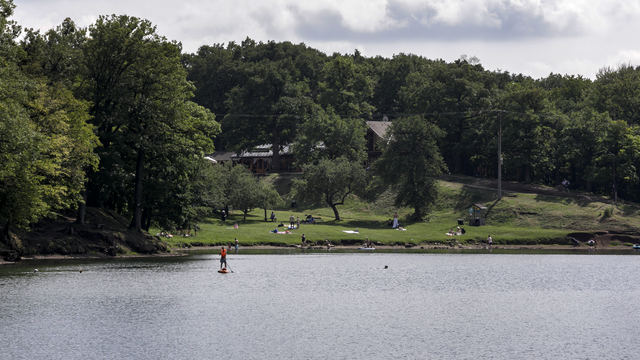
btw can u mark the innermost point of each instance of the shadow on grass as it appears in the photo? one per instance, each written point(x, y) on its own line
point(360, 224)
point(629, 210)
point(471, 195)
point(578, 201)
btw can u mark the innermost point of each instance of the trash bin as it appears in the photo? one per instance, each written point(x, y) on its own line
point(460, 222)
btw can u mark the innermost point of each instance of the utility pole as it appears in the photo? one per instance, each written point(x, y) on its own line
point(500, 155)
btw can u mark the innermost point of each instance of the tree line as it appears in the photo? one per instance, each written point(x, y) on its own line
point(553, 128)
point(117, 116)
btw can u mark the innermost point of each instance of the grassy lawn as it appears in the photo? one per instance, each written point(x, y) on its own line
point(522, 219)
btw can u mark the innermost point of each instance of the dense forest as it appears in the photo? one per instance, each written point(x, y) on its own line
point(117, 116)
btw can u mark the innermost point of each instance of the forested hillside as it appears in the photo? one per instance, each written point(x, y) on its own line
point(119, 117)
point(552, 128)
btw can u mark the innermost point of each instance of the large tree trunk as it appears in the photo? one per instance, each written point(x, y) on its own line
point(335, 211)
point(417, 214)
point(15, 252)
point(4, 236)
point(82, 209)
point(136, 222)
point(146, 220)
point(275, 146)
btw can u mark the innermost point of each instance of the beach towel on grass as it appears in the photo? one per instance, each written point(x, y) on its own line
point(351, 231)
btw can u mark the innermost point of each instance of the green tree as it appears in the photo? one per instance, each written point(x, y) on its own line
point(267, 108)
point(243, 190)
point(326, 135)
point(245, 193)
point(410, 162)
point(45, 142)
point(331, 181)
point(56, 55)
point(177, 181)
point(454, 95)
point(272, 95)
point(392, 75)
point(268, 197)
point(139, 91)
point(346, 87)
point(527, 130)
point(580, 142)
point(617, 91)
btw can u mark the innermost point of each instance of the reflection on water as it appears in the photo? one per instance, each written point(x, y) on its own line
point(317, 305)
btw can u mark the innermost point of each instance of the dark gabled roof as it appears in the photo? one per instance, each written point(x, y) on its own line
point(379, 127)
point(221, 156)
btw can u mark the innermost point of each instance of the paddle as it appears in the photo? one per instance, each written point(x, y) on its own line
point(229, 267)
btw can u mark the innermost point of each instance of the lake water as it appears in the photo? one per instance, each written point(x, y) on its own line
point(324, 305)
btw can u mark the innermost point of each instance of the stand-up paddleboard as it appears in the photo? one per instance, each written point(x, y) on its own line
point(366, 248)
point(223, 271)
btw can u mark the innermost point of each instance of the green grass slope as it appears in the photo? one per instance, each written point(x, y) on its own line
point(520, 218)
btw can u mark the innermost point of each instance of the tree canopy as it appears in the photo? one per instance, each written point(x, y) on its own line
point(410, 161)
point(116, 115)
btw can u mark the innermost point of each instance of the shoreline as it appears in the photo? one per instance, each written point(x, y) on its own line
point(185, 251)
point(417, 247)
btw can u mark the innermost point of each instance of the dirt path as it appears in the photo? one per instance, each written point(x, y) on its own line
point(515, 187)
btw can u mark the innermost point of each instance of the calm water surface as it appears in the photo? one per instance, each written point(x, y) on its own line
point(324, 305)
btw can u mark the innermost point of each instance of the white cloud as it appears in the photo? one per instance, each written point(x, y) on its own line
point(530, 36)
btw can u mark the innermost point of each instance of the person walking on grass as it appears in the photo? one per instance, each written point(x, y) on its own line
point(223, 258)
point(292, 221)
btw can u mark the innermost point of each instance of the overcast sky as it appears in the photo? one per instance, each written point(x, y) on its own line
point(533, 37)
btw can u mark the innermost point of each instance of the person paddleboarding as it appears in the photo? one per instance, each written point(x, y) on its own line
point(223, 257)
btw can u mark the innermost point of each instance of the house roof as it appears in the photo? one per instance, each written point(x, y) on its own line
point(379, 127)
point(262, 151)
point(221, 156)
point(479, 206)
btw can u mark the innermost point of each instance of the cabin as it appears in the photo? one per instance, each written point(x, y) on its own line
point(260, 159)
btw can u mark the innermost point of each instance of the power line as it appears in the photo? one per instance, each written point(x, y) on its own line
point(433, 114)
